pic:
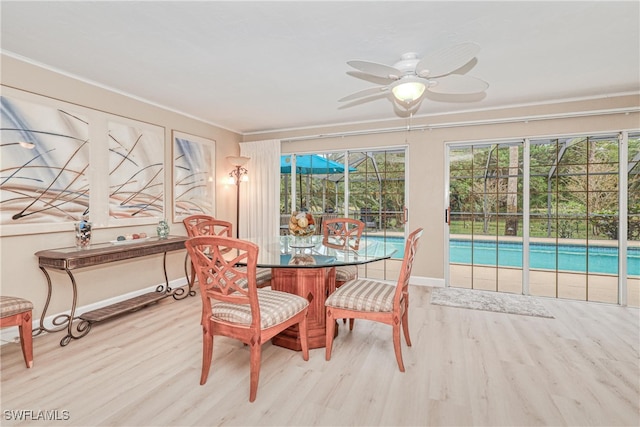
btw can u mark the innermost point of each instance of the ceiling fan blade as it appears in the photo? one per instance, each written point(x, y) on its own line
point(365, 100)
point(366, 92)
point(372, 79)
point(458, 84)
point(446, 60)
point(375, 69)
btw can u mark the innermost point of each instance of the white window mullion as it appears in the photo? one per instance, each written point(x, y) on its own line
point(346, 184)
point(623, 174)
point(447, 205)
point(526, 173)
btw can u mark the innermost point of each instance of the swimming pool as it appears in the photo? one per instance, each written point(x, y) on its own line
point(602, 259)
point(396, 242)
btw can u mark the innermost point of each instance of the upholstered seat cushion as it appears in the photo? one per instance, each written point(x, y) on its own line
point(363, 295)
point(275, 308)
point(263, 275)
point(345, 273)
point(14, 305)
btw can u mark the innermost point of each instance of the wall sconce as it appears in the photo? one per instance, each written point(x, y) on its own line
point(236, 176)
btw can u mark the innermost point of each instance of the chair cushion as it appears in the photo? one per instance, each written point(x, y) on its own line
point(275, 308)
point(363, 295)
point(345, 273)
point(263, 275)
point(14, 305)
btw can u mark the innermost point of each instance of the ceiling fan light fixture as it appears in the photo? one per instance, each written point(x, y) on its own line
point(408, 89)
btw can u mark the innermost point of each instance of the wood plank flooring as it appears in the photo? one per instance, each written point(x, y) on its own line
point(466, 367)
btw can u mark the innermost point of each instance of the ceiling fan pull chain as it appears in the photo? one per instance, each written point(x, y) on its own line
point(406, 136)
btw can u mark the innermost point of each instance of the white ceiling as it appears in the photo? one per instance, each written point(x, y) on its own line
point(259, 66)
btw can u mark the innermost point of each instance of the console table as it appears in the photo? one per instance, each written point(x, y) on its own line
point(69, 259)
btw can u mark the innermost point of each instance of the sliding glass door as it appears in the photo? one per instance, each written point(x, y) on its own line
point(368, 185)
point(543, 217)
point(485, 216)
point(574, 218)
point(376, 196)
point(632, 159)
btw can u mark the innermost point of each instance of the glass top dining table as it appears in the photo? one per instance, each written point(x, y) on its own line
point(306, 266)
point(312, 252)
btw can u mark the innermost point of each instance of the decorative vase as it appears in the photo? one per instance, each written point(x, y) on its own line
point(83, 233)
point(163, 229)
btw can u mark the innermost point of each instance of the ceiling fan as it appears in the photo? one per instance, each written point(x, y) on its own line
point(408, 80)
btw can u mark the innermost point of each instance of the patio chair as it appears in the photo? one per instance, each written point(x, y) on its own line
point(367, 217)
point(375, 300)
point(234, 307)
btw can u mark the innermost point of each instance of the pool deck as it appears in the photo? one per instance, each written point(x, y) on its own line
point(575, 286)
point(565, 285)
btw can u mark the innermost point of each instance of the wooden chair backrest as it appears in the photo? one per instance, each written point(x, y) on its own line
point(410, 248)
point(343, 232)
point(213, 227)
point(216, 259)
point(193, 220)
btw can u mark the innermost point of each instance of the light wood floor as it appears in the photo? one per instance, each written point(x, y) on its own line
point(466, 367)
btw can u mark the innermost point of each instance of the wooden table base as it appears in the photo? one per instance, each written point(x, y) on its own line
point(314, 284)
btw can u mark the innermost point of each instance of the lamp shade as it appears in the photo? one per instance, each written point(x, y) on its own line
point(238, 160)
point(408, 89)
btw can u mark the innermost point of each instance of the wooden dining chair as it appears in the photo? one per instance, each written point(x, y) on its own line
point(218, 227)
point(212, 227)
point(190, 223)
point(15, 311)
point(375, 300)
point(344, 233)
point(204, 225)
point(233, 306)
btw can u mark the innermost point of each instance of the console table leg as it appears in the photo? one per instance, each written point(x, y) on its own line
point(83, 326)
point(65, 320)
point(178, 293)
point(62, 321)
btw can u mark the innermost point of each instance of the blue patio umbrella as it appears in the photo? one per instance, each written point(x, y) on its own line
point(312, 164)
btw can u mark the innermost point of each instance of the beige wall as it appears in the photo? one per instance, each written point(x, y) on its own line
point(426, 151)
point(20, 275)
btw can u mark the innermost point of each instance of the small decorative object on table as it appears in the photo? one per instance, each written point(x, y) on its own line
point(163, 229)
point(302, 259)
point(83, 233)
point(301, 226)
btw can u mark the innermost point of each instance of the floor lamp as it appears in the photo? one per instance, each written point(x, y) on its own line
point(237, 175)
